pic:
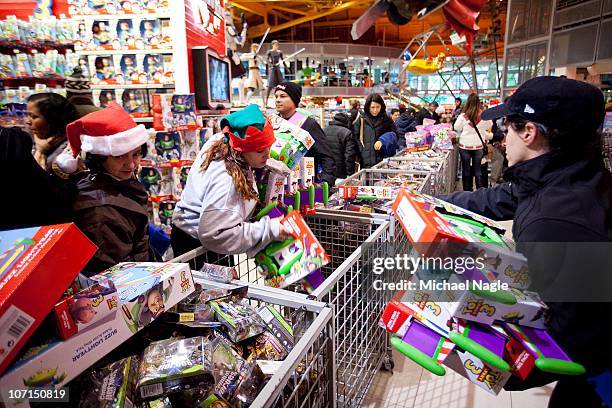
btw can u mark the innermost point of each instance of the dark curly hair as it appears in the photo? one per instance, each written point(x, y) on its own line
point(57, 111)
point(95, 162)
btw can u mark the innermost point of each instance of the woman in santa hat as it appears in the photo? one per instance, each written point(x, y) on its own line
point(110, 207)
point(220, 195)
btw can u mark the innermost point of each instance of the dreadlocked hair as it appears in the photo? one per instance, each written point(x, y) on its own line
point(237, 168)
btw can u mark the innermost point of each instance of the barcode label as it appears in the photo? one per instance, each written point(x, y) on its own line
point(147, 391)
point(14, 324)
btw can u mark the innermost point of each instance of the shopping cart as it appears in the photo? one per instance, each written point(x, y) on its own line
point(306, 378)
point(352, 241)
point(415, 180)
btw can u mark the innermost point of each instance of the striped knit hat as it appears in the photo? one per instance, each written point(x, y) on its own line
point(77, 83)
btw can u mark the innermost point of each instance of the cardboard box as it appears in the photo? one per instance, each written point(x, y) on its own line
point(145, 290)
point(475, 370)
point(427, 220)
point(34, 259)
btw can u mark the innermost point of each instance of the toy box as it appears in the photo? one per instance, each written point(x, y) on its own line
point(180, 173)
point(189, 144)
point(31, 259)
point(135, 101)
point(477, 371)
point(307, 171)
point(85, 308)
point(289, 261)
point(145, 290)
point(292, 142)
point(427, 220)
point(102, 70)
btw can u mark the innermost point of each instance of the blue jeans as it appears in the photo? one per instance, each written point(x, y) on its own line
point(470, 162)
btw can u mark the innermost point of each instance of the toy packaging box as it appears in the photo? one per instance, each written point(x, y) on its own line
point(180, 175)
point(289, 261)
point(190, 144)
point(31, 259)
point(145, 290)
point(292, 142)
point(477, 371)
point(135, 102)
point(85, 308)
point(427, 220)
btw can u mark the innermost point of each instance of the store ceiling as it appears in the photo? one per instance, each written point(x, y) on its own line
point(330, 21)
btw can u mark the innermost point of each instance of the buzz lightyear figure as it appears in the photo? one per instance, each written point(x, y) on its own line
point(151, 181)
point(168, 147)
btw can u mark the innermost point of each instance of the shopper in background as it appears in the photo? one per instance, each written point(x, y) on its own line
point(428, 112)
point(395, 113)
point(458, 109)
point(354, 112)
point(287, 99)
point(405, 123)
point(220, 195)
point(78, 92)
point(472, 133)
point(37, 197)
point(48, 115)
point(375, 132)
point(111, 204)
point(342, 144)
point(557, 191)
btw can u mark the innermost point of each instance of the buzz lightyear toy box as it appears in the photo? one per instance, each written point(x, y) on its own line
point(287, 262)
point(145, 290)
point(292, 142)
point(429, 222)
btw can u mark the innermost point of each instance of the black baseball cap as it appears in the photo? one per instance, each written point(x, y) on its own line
point(555, 102)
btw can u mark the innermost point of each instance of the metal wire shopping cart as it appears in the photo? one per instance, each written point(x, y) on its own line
point(413, 180)
point(306, 378)
point(352, 241)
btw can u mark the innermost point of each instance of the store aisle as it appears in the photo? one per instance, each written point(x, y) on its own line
point(412, 387)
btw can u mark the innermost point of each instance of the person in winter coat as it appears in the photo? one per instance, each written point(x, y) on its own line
point(287, 96)
point(354, 111)
point(78, 92)
point(48, 115)
point(557, 191)
point(405, 123)
point(221, 194)
point(342, 144)
point(428, 112)
point(111, 204)
point(470, 145)
point(369, 128)
point(42, 198)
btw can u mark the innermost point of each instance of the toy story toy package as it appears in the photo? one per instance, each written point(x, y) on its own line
point(28, 261)
point(292, 142)
point(145, 290)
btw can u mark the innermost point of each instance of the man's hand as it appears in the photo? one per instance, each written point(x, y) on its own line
point(285, 233)
point(378, 145)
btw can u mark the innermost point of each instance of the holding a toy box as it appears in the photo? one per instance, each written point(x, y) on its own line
point(220, 194)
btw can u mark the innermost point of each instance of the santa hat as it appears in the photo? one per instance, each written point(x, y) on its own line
point(108, 132)
point(248, 130)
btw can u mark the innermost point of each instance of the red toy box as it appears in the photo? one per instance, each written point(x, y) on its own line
point(36, 266)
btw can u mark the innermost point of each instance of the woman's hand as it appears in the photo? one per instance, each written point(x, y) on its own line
point(284, 233)
point(45, 146)
point(378, 145)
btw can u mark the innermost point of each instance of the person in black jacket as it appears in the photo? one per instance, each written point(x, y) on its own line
point(369, 128)
point(32, 196)
point(428, 112)
point(342, 144)
point(405, 123)
point(557, 192)
point(287, 98)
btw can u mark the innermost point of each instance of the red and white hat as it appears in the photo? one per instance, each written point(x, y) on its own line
point(108, 132)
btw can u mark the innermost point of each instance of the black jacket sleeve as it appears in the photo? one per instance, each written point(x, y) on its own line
point(497, 203)
point(350, 152)
point(320, 151)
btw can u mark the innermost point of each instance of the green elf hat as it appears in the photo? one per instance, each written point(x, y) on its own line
point(248, 130)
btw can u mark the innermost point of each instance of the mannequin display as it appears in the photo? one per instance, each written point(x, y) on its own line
point(234, 40)
point(254, 81)
point(274, 60)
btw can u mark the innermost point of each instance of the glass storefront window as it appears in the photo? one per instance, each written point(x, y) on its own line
point(529, 19)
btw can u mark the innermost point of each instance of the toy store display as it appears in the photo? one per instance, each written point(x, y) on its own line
point(438, 136)
point(113, 7)
point(28, 262)
point(143, 292)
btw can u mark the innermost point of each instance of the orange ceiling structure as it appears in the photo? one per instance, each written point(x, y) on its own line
point(331, 21)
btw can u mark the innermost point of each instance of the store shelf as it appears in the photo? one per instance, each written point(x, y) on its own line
point(7, 48)
point(143, 120)
point(120, 16)
point(122, 52)
point(132, 86)
point(31, 81)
